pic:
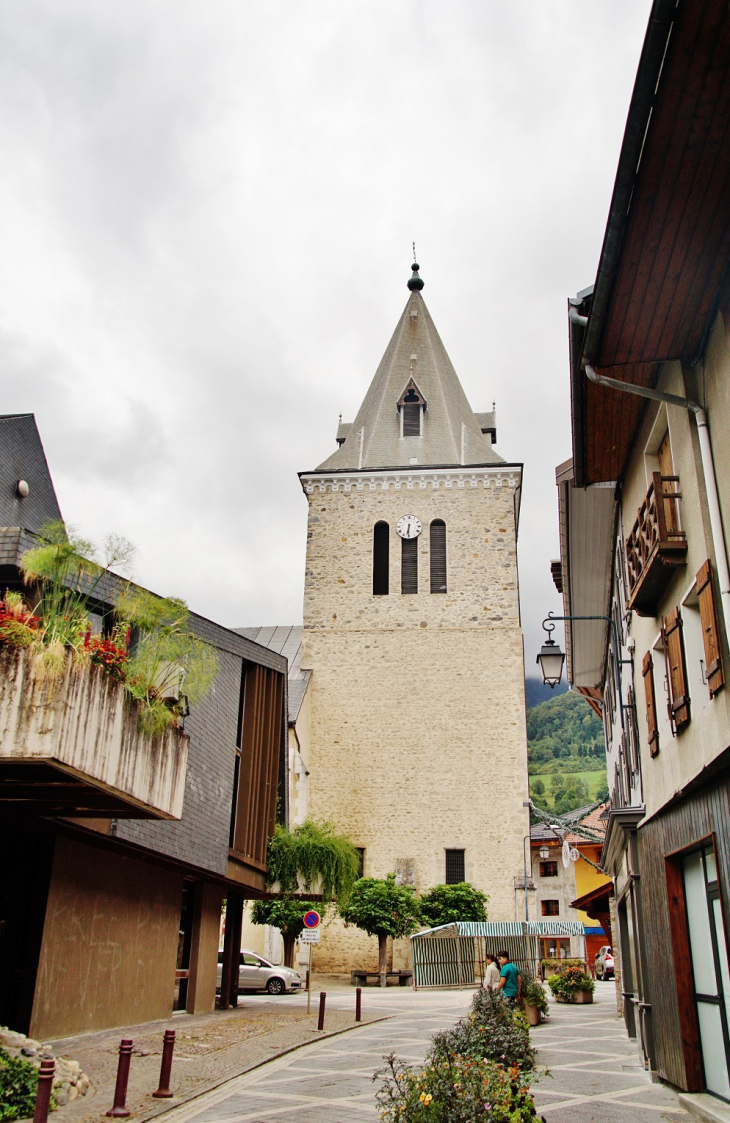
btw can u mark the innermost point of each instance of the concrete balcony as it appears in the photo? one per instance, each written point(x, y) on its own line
point(72, 746)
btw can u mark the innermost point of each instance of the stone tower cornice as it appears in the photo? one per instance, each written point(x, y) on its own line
point(490, 476)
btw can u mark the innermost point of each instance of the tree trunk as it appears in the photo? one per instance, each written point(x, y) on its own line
point(289, 938)
point(383, 959)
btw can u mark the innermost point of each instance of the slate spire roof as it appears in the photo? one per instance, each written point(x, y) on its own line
point(415, 361)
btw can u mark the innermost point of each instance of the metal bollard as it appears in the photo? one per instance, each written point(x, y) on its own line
point(43, 1095)
point(119, 1108)
point(168, 1045)
point(358, 1004)
point(322, 1000)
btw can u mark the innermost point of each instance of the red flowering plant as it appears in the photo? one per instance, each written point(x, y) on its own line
point(18, 625)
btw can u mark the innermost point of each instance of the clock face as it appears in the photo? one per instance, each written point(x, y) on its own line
point(408, 526)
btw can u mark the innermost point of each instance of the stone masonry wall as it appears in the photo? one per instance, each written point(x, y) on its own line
point(417, 727)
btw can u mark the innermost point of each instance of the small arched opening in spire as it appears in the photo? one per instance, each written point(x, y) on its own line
point(381, 559)
point(411, 406)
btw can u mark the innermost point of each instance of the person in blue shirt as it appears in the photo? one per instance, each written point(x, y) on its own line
point(510, 980)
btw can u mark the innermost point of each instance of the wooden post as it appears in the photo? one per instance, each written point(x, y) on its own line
point(43, 1094)
point(231, 950)
point(119, 1107)
point(168, 1046)
point(322, 1000)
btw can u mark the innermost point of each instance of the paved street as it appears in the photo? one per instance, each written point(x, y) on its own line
point(595, 1074)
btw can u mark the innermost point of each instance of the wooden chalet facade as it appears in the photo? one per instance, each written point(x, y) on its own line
point(644, 515)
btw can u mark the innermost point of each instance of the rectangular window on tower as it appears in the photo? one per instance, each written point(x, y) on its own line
point(409, 565)
point(455, 872)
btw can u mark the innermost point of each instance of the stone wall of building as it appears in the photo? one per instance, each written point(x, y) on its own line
point(417, 729)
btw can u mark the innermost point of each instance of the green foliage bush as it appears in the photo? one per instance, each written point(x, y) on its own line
point(445, 904)
point(453, 1089)
point(493, 1030)
point(315, 854)
point(18, 1085)
point(534, 994)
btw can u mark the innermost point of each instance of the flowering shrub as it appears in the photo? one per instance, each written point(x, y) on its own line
point(107, 654)
point(453, 1089)
point(492, 1030)
point(18, 625)
point(534, 994)
point(567, 982)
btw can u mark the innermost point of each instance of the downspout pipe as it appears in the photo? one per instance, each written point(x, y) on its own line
point(708, 469)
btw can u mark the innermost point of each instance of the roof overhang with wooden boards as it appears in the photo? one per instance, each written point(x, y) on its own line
point(667, 242)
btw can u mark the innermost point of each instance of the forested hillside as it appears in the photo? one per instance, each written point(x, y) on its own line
point(567, 760)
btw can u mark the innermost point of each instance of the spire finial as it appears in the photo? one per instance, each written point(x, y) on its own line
point(415, 283)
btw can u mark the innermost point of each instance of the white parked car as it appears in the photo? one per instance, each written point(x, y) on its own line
point(604, 964)
point(256, 973)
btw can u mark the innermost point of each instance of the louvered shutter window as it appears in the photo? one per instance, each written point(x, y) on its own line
point(455, 868)
point(438, 556)
point(409, 565)
point(647, 670)
point(676, 668)
point(411, 420)
point(381, 561)
point(710, 635)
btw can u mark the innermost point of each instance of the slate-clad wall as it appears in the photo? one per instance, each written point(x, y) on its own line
point(201, 837)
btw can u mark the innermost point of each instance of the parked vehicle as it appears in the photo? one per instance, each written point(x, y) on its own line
point(604, 964)
point(256, 973)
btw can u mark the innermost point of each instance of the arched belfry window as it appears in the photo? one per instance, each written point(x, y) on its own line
point(438, 556)
point(412, 406)
point(381, 559)
point(409, 565)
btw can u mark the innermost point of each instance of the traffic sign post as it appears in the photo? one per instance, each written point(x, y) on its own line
point(310, 935)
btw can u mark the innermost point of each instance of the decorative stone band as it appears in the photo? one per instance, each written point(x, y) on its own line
point(496, 477)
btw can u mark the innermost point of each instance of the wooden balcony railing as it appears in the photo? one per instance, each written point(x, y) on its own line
point(656, 545)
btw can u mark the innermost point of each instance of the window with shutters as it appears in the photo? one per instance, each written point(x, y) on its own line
point(676, 669)
point(409, 565)
point(714, 671)
point(647, 670)
point(412, 406)
point(438, 556)
point(455, 867)
point(550, 908)
point(381, 559)
point(548, 869)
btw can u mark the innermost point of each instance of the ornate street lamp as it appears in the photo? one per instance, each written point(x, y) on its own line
point(551, 658)
point(544, 853)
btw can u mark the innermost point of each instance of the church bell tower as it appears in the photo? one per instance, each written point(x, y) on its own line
point(412, 633)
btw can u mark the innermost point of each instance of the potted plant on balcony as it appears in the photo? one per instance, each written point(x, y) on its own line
point(535, 1000)
point(572, 985)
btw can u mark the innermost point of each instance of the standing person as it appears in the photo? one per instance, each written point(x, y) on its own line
point(510, 982)
point(491, 975)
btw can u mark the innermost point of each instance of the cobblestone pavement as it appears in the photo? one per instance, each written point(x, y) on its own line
point(595, 1072)
point(331, 1082)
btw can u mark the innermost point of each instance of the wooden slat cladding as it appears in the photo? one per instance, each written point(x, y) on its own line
point(647, 670)
point(708, 614)
point(437, 549)
point(676, 668)
point(611, 419)
point(686, 823)
point(409, 565)
point(677, 240)
point(411, 420)
point(259, 766)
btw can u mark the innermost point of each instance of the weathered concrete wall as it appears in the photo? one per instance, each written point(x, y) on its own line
point(109, 951)
point(87, 723)
point(417, 731)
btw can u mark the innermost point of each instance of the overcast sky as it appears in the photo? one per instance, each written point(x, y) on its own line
point(206, 217)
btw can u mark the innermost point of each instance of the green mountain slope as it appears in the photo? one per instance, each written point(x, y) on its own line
point(566, 754)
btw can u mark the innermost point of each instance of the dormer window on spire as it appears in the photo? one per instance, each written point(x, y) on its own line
point(411, 406)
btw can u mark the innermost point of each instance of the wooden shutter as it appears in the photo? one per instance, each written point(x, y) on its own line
point(710, 635)
point(261, 728)
point(647, 670)
point(381, 559)
point(438, 556)
point(409, 566)
point(411, 420)
point(676, 668)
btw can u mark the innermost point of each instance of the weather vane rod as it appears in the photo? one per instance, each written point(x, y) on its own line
point(414, 251)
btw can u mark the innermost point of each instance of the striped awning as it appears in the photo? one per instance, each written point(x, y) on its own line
point(504, 928)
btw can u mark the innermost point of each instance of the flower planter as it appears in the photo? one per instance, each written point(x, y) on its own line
point(580, 996)
point(532, 1013)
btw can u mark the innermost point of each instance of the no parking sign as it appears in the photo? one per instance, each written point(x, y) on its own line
point(311, 919)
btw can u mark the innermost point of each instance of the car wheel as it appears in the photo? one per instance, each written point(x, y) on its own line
point(275, 986)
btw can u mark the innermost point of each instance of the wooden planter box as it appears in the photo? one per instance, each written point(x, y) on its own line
point(580, 996)
point(532, 1013)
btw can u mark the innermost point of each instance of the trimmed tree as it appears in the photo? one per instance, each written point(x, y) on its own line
point(381, 908)
point(287, 914)
point(445, 904)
